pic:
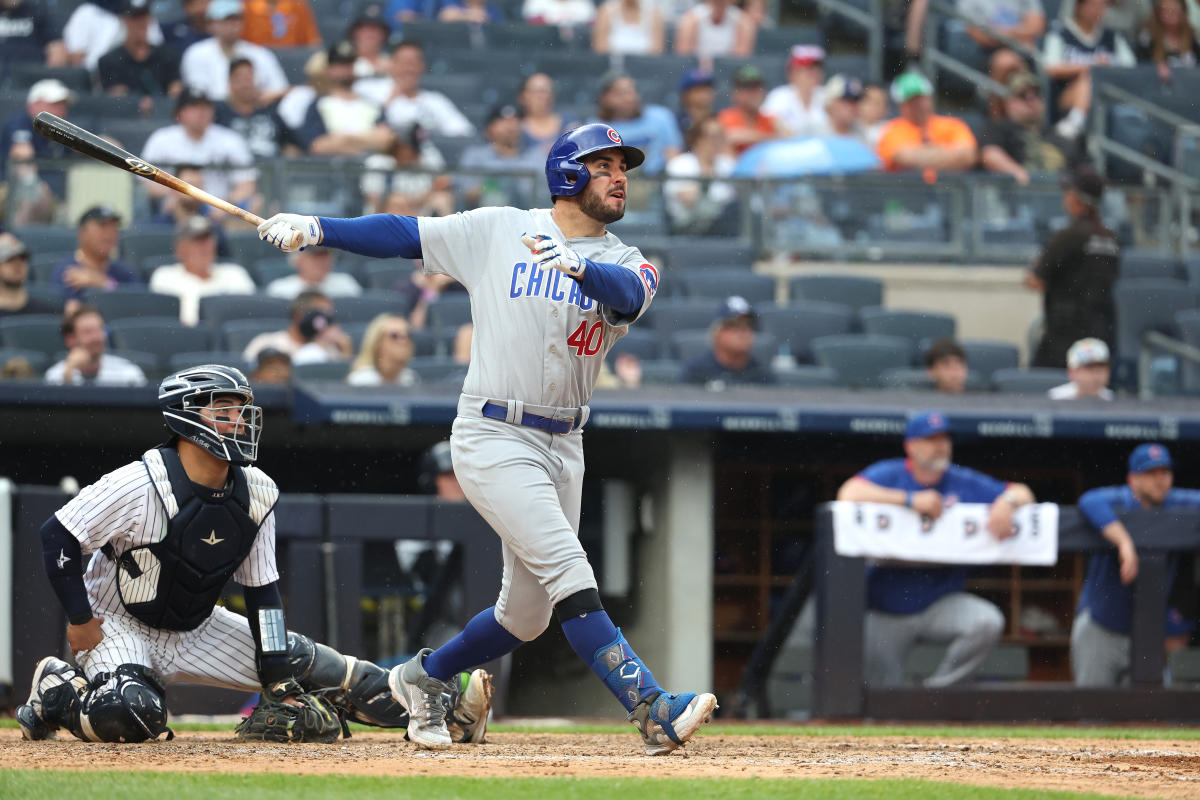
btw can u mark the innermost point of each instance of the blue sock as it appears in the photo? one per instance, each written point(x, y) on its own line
point(482, 640)
point(602, 646)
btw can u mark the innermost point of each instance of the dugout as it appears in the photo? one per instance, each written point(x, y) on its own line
point(699, 507)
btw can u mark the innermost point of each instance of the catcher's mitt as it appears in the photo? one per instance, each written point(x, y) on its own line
point(285, 713)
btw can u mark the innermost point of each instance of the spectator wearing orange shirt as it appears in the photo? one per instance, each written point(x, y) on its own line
point(280, 23)
point(744, 122)
point(919, 139)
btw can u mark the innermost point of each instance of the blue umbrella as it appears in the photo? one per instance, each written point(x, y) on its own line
point(792, 158)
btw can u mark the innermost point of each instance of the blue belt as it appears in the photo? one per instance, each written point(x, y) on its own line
point(557, 425)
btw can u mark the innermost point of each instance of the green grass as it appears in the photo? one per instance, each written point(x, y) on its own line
point(818, 730)
point(186, 786)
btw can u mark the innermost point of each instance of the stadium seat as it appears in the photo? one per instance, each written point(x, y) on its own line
point(266, 270)
point(138, 244)
point(25, 75)
point(689, 345)
point(293, 59)
point(153, 262)
point(46, 293)
point(131, 133)
point(912, 325)
point(522, 38)
point(244, 247)
point(40, 332)
point(448, 312)
point(861, 359)
point(47, 239)
point(438, 369)
point(663, 372)
point(160, 336)
point(38, 360)
point(440, 35)
point(235, 334)
point(452, 147)
point(685, 254)
point(153, 366)
point(42, 264)
point(985, 357)
point(1141, 264)
point(321, 371)
point(805, 376)
point(226, 358)
point(1036, 380)
point(849, 290)
point(368, 305)
point(388, 274)
point(915, 378)
point(221, 308)
point(1146, 304)
point(133, 301)
point(798, 324)
point(778, 42)
point(680, 315)
point(646, 345)
point(426, 343)
point(718, 283)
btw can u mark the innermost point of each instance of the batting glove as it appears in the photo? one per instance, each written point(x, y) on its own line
point(290, 232)
point(550, 253)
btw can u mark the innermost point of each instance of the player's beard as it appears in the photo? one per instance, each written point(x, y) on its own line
point(593, 205)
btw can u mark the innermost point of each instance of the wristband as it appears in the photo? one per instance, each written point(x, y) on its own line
point(81, 619)
point(908, 499)
point(429, 295)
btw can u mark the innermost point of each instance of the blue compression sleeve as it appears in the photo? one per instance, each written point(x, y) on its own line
point(614, 286)
point(63, 559)
point(377, 235)
point(482, 640)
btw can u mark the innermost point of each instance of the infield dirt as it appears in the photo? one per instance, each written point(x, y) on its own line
point(1142, 768)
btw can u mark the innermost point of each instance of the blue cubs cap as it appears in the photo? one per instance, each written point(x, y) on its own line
point(695, 77)
point(1149, 456)
point(926, 423)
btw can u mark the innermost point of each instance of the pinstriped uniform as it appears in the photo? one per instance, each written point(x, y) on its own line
point(131, 507)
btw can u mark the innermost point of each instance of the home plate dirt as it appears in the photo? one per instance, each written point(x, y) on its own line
point(1149, 768)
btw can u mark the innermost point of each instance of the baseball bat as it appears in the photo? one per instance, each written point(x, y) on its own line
point(89, 144)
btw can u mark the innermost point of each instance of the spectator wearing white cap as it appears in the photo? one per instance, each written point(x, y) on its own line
point(195, 139)
point(842, 93)
point(1088, 371)
point(205, 65)
point(33, 192)
point(29, 35)
point(715, 28)
point(197, 273)
point(94, 28)
point(799, 105)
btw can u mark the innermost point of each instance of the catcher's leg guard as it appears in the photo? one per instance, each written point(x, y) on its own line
point(53, 699)
point(359, 687)
point(125, 705)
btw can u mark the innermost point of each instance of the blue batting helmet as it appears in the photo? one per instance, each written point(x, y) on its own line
point(565, 172)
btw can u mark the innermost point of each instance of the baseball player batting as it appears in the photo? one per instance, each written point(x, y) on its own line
point(551, 291)
point(165, 535)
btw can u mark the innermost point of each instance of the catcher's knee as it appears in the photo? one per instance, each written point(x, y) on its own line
point(125, 705)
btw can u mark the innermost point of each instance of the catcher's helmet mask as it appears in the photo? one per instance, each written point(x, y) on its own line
point(566, 174)
point(186, 397)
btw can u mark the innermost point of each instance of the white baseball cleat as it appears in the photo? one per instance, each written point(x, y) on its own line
point(422, 694)
point(666, 721)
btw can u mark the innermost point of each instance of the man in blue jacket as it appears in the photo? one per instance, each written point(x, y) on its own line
point(1100, 642)
point(928, 602)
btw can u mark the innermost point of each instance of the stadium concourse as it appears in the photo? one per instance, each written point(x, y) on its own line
point(843, 218)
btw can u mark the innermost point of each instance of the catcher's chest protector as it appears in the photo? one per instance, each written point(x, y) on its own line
point(175, 582)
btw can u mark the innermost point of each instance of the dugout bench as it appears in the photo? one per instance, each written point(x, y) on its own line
point(841, 588)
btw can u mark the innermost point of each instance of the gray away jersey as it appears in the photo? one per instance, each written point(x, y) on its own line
point(537, 339)
point(124, 509)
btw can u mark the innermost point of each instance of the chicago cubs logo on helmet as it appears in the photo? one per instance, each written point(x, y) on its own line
point(566, 173)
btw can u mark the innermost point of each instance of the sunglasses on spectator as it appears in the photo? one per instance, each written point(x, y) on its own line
point(397, 335)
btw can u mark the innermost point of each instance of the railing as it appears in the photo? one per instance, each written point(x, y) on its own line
point(965, 218)
point(870, 21)
point(1154, 343)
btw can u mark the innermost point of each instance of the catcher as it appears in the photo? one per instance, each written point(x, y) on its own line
point(165, 535)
